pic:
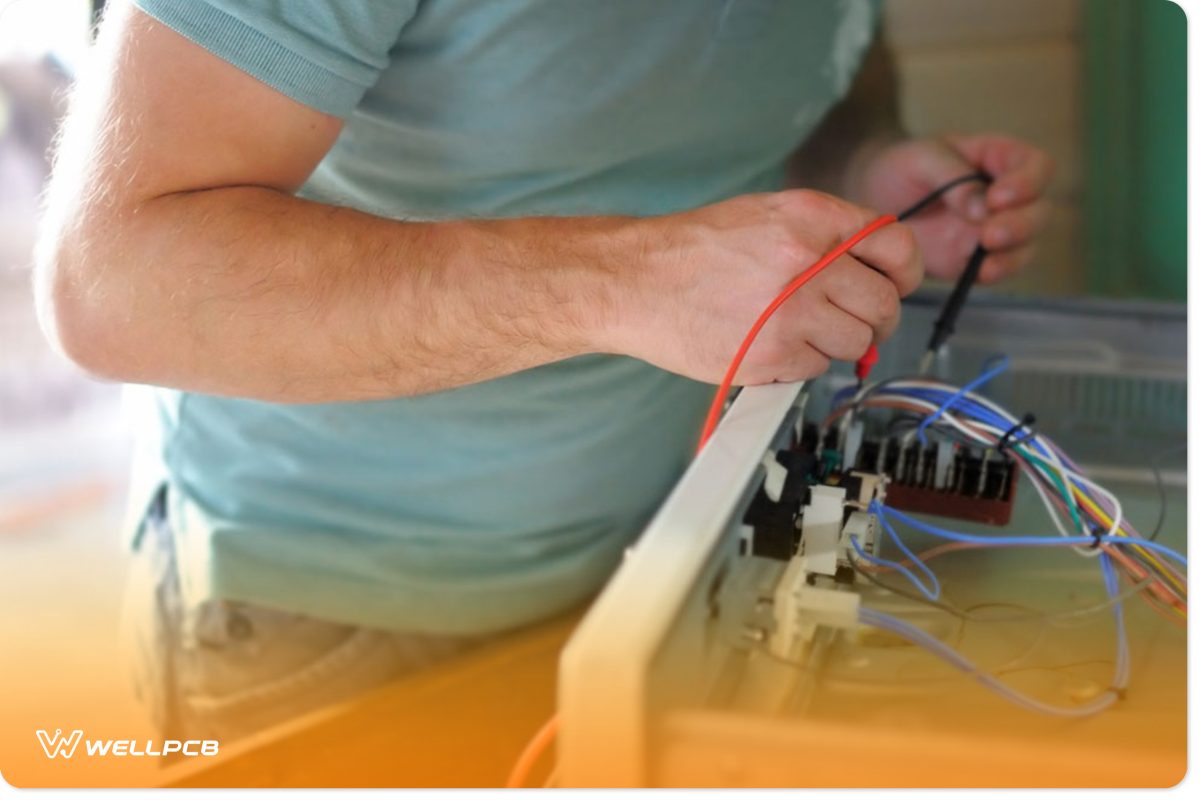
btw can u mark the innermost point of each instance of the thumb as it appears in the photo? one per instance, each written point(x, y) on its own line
point(942, 164)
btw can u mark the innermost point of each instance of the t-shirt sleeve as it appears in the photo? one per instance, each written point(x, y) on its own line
point(323, 53)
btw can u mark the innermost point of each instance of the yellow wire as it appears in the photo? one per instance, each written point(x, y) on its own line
point(1107, 520)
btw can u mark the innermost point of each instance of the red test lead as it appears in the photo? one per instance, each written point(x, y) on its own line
point(862, 367)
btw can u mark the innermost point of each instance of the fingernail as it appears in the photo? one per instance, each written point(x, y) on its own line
point(1003, 196)
point(976, 209)
point(999, 238)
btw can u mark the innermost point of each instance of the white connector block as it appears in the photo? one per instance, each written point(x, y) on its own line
point(854, 440)
point(943, 460)
point(800, 609)
point(822, 528)
point(775, 477)
point(831, 608)
point(861, 525)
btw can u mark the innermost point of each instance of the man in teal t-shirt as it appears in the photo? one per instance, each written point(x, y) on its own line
point(432, 292)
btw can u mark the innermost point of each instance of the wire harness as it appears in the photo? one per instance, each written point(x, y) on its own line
point(1085, 515)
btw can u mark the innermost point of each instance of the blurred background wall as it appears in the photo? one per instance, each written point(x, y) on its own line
point(1101, 85)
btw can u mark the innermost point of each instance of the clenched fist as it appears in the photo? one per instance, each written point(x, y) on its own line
point(707, 274)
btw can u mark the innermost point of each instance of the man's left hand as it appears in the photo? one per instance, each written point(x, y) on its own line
point(1006, 216)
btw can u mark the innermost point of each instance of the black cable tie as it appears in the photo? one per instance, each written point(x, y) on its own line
point(1024, 439)
point(1027, 422)
point(1097, 537)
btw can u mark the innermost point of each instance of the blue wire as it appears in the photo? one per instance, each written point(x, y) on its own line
point(842, 395)
point(920, 637)
point(982, 378)
point(967, 407)
point(960, 402)
point(932, 594)
point(1023, 541)
point(1112, 586)
point(921, 565)
point(877, 619)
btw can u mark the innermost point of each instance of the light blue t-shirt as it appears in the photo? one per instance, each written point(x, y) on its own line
point(495, 504)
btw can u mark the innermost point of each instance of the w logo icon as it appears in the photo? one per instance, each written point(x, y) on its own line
point(59, 745)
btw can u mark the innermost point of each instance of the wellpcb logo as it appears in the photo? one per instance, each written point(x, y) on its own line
point(57, 744)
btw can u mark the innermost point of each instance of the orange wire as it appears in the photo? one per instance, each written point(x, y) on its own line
point(718, 402)
point(923, 556)
point(532, 753)
point(542, 740)
point(545, 736)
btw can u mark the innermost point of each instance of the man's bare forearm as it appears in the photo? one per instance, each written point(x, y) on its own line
point(174, 252)
point(252, 292)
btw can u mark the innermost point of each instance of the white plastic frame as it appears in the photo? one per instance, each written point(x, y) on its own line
point(604, 669)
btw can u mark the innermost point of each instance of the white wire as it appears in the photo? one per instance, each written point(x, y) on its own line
point(1117, 513)
point(1048, 454)
point(1069, 477)
point(1052, 511)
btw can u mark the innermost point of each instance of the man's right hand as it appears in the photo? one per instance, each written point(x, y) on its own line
point(707, 275)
